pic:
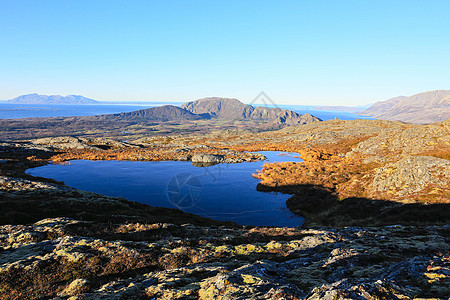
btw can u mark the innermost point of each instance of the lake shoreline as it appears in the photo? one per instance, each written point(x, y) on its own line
point(200, 188)
point(109, 247)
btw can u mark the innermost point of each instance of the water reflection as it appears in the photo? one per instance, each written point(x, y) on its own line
point(222, 192)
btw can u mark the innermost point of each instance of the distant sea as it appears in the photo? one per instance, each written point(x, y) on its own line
point(15, 111)
point(324, 115)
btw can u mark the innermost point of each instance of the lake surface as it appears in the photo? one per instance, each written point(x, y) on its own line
point(13, 111)
point(224, 192)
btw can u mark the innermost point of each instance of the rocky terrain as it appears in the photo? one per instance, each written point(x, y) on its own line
point(64, 258)
point(373, 159)
point(375, 195)
point(423, 108)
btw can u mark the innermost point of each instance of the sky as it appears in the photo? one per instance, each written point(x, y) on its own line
point(297, 52)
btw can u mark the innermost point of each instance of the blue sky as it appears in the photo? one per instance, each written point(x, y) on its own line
point(298, 52)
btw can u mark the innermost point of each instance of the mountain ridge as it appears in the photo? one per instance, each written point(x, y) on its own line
point(51, 99)
point(231, 108)
point(159, 113)
point(422, 108)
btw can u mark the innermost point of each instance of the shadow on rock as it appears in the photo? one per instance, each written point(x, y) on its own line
point(320, 206)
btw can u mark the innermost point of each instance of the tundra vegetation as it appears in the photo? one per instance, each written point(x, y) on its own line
point(375, 195)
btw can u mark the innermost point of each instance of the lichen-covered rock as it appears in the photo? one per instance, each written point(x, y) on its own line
point(207, 158)
point(63, 143)
point(75, 287)
point(71, 259)
point(411, 175)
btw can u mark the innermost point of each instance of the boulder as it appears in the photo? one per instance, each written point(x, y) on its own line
point(207, 158)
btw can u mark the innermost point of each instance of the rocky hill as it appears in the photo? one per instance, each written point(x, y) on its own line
point(52, 99)
point(226, 108)
point(423, 108)
point(161, 113)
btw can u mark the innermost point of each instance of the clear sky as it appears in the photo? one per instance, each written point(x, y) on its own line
point(298, 52)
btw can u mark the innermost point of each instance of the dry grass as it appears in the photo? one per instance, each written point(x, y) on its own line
point(325, 166)
point(439, 152)
point(155, 153)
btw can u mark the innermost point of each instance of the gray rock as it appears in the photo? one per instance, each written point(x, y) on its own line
point(412, 174)
point(76, 287)
point(207, 158)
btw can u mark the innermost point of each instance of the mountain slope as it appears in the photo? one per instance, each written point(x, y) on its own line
point(281, 116)
point(227, 108)
point(52, 99)
point(427, 107)
point(161, 113)
point(382, 106)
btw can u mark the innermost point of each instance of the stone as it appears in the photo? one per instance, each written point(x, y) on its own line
point(207, 158)
point(75, 287)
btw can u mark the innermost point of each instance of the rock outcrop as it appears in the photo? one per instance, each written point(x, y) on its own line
point(413, 174)
point(61, 258)
point(362, 159)
point(207, 158)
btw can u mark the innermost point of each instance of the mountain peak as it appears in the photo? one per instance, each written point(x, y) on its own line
point(231, 108)
point(227, 108)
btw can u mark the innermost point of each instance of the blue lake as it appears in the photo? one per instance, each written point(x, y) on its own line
point(224, 192)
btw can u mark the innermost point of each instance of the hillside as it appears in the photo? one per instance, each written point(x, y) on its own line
point(423, 108)
point(52, 99)
point(228, 108)
point(281, 116)
point(161, 113)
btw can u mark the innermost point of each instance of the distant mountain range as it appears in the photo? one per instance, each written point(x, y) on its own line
point(233, 109)
point(423, 108)
point(52, 99)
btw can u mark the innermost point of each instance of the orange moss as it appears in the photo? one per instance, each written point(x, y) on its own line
point(137, 154)
point(344, 176)
point(439, 152)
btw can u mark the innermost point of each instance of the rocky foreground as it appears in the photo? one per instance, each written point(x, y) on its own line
point(64, 258)
point(375, 195)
